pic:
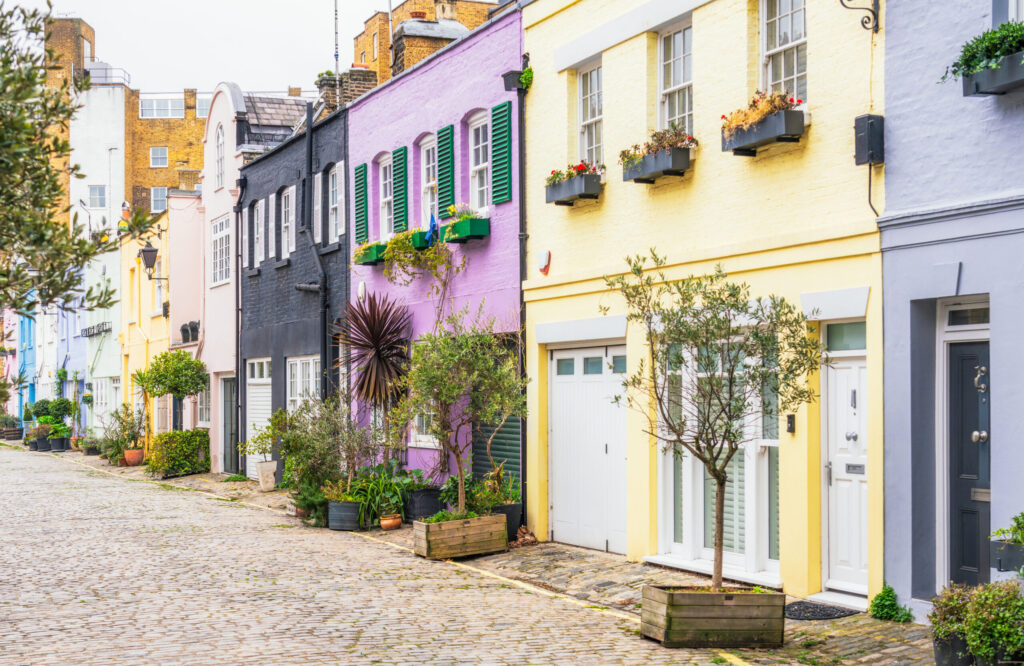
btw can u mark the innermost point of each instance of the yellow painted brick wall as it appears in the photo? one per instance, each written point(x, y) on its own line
point(183, 138)
point(794, 219)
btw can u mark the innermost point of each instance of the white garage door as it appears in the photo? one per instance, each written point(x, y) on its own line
point(587, 448)
point(257, 406)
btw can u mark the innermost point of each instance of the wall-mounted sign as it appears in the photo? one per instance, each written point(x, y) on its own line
point(96, 329)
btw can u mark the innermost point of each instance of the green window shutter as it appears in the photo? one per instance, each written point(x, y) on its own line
point(445, 170)
point(362, 228)
point(399, 176)
point(501, 152)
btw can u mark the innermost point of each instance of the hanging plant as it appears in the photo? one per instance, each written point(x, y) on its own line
point(404, 262)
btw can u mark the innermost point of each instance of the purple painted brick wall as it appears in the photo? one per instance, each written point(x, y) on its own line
point(406, 110)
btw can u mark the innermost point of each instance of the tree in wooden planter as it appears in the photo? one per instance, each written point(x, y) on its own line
point(718, 361)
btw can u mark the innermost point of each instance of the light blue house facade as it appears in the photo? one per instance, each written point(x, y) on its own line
point(71, 357)
point(26, 362)
point(952, 244)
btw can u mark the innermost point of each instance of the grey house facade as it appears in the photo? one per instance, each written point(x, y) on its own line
point(295, 272)
point(953, 279)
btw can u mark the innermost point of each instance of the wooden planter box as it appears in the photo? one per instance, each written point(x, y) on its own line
point(471, 228)
point(671, 162)
point(12, 433)
point(567, 192)
point(712, 619)
point(459, 538)
point(780, 127)
point(1005, 556)
point(1007, 77)
point(370, 255)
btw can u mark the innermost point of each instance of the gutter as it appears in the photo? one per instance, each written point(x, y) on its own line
point(242, 182)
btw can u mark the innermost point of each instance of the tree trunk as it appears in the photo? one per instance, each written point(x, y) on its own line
point(462, 483)
point(716, 575)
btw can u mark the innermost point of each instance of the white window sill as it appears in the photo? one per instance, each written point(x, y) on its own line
point(424, 443)
point(222, 283)
point(762, 578)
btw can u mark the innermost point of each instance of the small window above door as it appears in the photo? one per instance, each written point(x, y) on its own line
point(846, 337)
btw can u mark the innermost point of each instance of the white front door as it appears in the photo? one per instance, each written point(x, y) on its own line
point(587, 448)
point(846, 478)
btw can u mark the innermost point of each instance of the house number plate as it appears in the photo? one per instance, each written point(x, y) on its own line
point(854, 469)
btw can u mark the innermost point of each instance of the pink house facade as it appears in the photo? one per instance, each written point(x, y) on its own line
point(416, 147)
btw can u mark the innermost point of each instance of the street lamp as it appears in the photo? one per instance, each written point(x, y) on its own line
point(148, 254)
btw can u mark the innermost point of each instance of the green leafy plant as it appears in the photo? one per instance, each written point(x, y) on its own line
point(994, 622)
point(178, 374)
point(125, 429)
point(47, 419)
point(760, 107)
point(987, 49)
point(379, 492)
point(501, 487)
point(60, 408)
point(179, 453)
point(59, 431)
point(61, 374)
point(526, 78)
point(235, 477)
point(478, 500)
point(41, 408)
point(8, 421)
point(337, 491)
point(949, 611)
point(404, 263)
point(26, 413)
point(444, 515)
point(583, 168)
point(41, 431)
point(462, 211)
point(1013, 534)
point(660, 140)
point(87, 398)
point(309, 497)
point(885, 606)
point(92, 442)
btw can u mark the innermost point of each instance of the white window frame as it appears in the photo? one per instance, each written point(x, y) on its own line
point(100, 201)
point(219, 162)
point(287, 221)
point(592, 153)
point(158, 288)
point(303, 380)
point(770, 54)
point(257, 233)
point(318, 215)
point(203, 105)
point(203, 408)
point(162, 107)
point(386, 178)
point(428, 181)
point(156, 161)
point(1015, 10)
point(685, 86)
point(419, 436)
point(480, 162)
point(334, 226)
point(220, 251)
point(258, 371)
point(376, 46)
point(153, 191)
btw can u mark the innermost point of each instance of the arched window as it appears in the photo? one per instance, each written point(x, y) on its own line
point(220, 156)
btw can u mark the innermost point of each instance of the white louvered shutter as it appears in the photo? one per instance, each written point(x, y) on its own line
point(291, 221)
point(341, 201)
point(272, 227)
point(245, 238)
point(317, 222)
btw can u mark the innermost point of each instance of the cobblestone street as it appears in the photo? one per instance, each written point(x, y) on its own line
point(98, 569)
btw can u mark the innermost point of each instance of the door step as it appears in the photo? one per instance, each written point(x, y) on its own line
point(854, 601)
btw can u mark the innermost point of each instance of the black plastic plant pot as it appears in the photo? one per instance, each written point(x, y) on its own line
point(1006, 77)
point(671, 162)
point(952, 652)
point(1005, 556)
point(568, 192)
point(42, 444)
point(343, 516)
point(423, 503)
point(513, 79)
point(92, 451)
point(56, 444)
point(513, 517)
point(779, 127)
point(33, 445)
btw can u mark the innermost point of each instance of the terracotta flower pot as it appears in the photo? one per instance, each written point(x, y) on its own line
point(133, 457)
point(391, 521)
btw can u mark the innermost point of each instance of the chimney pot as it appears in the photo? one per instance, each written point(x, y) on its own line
point(294, 92)
point(418, 15)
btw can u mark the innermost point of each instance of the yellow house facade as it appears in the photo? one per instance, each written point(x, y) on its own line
point(144, 324)
point(804, 506)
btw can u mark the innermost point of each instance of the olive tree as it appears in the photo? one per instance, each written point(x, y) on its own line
point(718, 361)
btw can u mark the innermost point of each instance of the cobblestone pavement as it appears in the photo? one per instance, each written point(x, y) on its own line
point(99, 569)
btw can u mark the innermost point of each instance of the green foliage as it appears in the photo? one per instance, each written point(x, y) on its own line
point(719, 360)
point(60, 430)
point(463, 375)
point(501, 488)
point(404, 263)
point(885, 606)
point(1014, 533)
point(48, 420)
point(41, 431)
point(478, 500)
point(87, 398)
point(26, 413)
point(8, 421)
point(445, 515)
point(309, 497)
point(125, 430)
point(949, 610)
point(526, 78)
point(179, 453)
point(994, 623)
point(176, 373)
point(376, 334)
point(337, 491)
point(41, 408)
point(92, 442)
point(262, 441)
point(62, 374)
point(61, 408)
point(661, 140)
point(572, 171)
point(235, 477)
point(987, 49)
point(379, 492)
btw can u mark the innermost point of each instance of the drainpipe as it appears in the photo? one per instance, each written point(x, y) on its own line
point(242, 182)
point(523, 236)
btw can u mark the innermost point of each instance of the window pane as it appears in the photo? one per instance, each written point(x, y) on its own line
point(966, 317)
point(773, 502)
point(592, 365)
point(772, 37)
point(566, 366)
point(798, 25)
point(773, 8)
point(677, 498)
point(619, 365)
point(843, 337)
point(769, 413)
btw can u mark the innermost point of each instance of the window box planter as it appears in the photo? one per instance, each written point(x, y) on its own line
point(1007, 77)
point(1004, 556)
point(471, 228)
point(671, 162)
point(419, 240)
point(568, 192)
point(459, 538)
point(371, 255)
point(779, 127)
point(680, 618)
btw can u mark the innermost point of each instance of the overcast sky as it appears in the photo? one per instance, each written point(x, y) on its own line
point(259, 44)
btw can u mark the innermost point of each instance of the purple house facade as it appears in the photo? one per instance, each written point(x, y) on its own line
point(415, 148)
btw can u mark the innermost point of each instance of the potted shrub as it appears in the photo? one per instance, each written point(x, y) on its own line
point(949, 610)
point(59, 437)
point(577, 182)
point(769, 118)
point(61, 408)
point(688, 325)
point(504, 497)
point(379, 489)
point(994, 623)
point(391, 514)
point(1006, 549)
point(262, 444)
point(92, 446)
point(423, 496)
point(39, 437)
point(40, 408)
point(991, 63)
point(342, 507)
point(668, 152)
point(126, 432)
point(464, 224)
point(134, 454)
